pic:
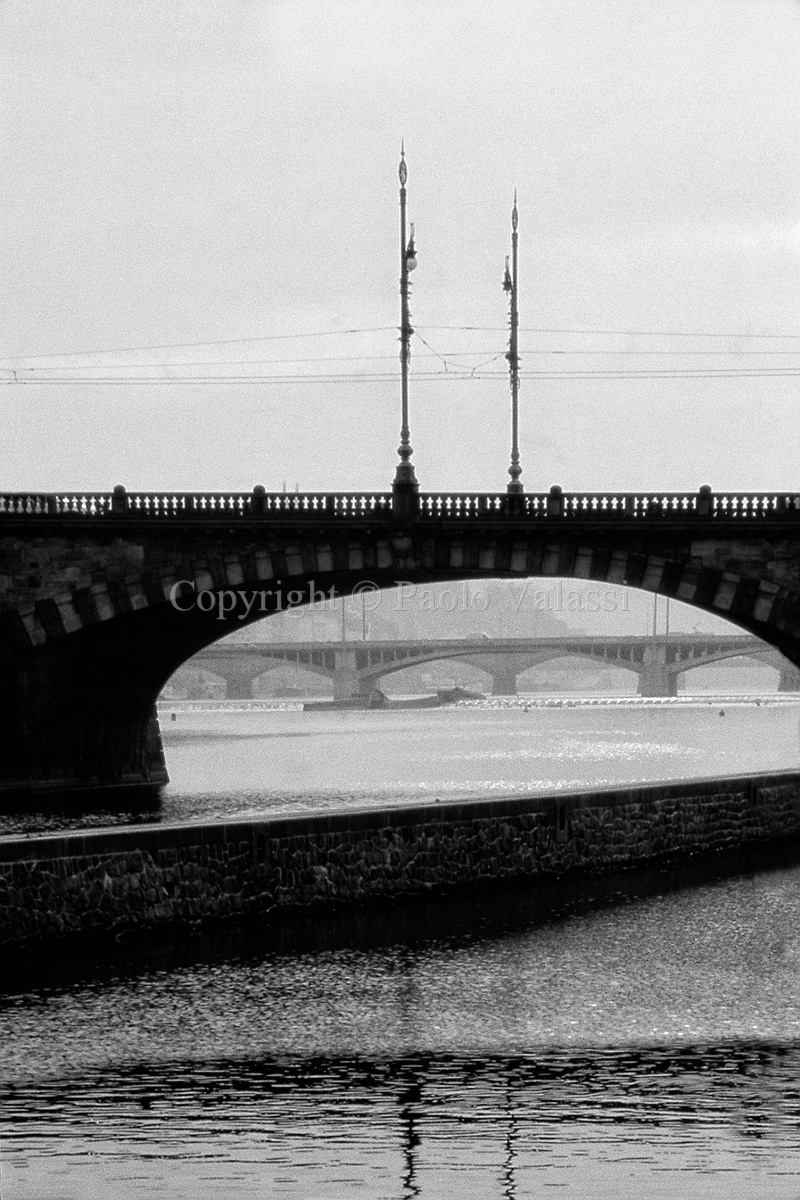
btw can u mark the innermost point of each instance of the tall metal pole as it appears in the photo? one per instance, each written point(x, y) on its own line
point(405, 486)
point(510, 283)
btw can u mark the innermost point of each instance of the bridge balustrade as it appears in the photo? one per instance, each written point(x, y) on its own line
point(554, 505)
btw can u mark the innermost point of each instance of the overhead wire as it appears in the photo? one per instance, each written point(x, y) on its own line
point(605, 332)
point(463, 375)
point(661, 333)
point(453, 362)
point(269, 337)
point(445, 357)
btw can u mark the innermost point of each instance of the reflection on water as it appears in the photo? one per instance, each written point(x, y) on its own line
point(713, 1121)
point(649, 1049)
point(227, 764)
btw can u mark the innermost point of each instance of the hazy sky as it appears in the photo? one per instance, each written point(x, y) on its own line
point(223, 173)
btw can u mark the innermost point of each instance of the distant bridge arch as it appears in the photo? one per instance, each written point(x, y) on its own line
point(357, 668)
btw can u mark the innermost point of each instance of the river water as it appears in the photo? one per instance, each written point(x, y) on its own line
point(469, 1047)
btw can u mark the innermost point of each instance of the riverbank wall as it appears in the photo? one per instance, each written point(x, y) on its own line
point(115, 881)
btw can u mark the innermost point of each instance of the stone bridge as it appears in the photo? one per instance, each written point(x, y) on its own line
point(103, 596)
point(356, 669)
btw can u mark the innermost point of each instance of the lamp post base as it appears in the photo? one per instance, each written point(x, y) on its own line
point(405, 492)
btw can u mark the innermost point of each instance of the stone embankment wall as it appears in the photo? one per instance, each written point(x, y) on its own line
point(110, 881)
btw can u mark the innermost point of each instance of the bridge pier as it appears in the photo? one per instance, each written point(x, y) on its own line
point(655, 679)
point(347, 685)
point(789, 679)
point(238, 679)
point(657, 683)
point(70, 726)
point(504, 682)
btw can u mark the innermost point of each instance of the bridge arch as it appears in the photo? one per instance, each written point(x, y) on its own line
point(134, 614)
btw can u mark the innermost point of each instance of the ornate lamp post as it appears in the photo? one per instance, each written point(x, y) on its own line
point(510, 286)
point(405, 488)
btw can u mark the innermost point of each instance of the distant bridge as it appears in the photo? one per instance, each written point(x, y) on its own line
point(100, 593)
point(357, 668)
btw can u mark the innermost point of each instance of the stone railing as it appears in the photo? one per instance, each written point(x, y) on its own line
point(430, 506)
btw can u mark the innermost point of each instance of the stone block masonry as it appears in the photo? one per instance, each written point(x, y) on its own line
point(107, 882)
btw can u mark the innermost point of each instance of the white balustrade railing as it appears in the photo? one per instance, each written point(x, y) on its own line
point(259, 504)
